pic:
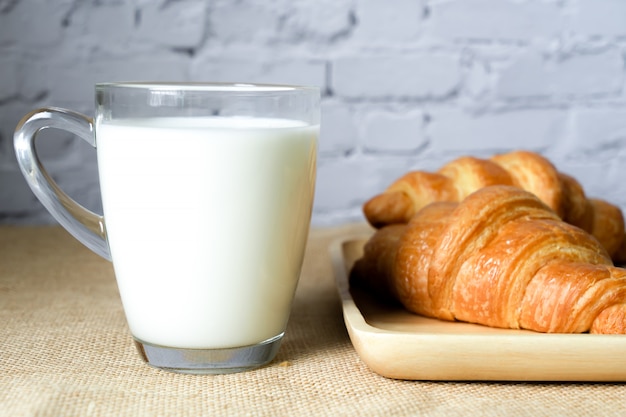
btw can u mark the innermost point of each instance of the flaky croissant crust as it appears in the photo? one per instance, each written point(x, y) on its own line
point(527, 170)
point(500, 258)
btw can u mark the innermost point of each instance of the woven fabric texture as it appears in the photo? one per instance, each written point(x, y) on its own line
point(65, 350)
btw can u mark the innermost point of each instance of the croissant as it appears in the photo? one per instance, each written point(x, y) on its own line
point(501, 258)
point(527, 170)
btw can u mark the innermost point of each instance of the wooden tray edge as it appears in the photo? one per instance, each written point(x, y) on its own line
point(493, 356)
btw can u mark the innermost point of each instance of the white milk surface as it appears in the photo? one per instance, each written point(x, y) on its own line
point(207, 224)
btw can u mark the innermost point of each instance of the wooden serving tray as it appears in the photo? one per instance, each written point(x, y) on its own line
point(397, 344)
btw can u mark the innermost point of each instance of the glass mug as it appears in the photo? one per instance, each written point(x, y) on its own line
point(207, 192)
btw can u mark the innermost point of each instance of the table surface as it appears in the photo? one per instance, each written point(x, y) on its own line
point(65, 350)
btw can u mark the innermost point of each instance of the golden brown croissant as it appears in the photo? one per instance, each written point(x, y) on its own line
point(527, 170)
point(500, 258)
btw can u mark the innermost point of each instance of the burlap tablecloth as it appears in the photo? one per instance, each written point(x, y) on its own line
point(65, 350)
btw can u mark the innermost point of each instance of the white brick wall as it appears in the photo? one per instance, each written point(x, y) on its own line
point(396, 76)
point(407, 84)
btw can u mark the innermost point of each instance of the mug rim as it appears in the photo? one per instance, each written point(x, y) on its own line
point(235, 87)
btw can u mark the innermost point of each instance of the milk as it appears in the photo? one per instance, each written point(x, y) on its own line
point(207, 220)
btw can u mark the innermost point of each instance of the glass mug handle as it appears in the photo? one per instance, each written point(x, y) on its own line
point(84, 225)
